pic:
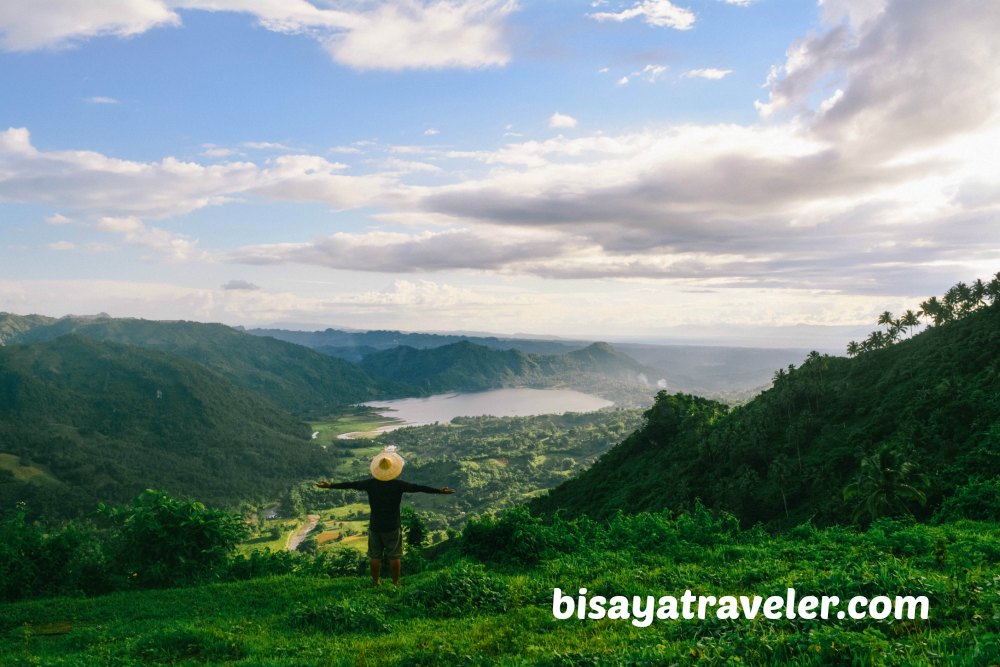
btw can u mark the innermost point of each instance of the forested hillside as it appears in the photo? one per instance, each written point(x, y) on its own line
point(900, 427)
point(82, 421)
point(296, 378)
point(465, 366)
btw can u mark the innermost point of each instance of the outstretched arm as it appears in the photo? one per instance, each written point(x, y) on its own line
point(420, 488)
point(341, 485)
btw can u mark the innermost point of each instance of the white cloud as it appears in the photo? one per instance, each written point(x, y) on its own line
point(623, 81)
point(92, 184)
point(62, 245)
point(660, 13)
point(58, 219)
point(559, 120)
point(216, 151)
point(265, 146)
point(175, 247)
point(707, 73)
point(101, 100)
point(26, 26)
point(406, 34)
point(431, 132)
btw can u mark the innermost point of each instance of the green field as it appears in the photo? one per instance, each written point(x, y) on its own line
point(354, 419)
point(471, 610)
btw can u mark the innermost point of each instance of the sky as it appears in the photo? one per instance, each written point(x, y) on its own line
point(741, 171)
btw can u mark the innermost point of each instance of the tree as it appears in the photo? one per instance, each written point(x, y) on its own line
point(414, 526)
point(853, 349)
point(885, 485)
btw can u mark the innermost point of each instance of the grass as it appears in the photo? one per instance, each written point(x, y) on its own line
point(464, 612)
point(355, 419)
point(23, 473)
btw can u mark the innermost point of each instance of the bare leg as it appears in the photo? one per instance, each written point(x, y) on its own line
point(394, 567)
point(376, 568)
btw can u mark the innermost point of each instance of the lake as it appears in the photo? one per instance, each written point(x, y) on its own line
point(519, 402)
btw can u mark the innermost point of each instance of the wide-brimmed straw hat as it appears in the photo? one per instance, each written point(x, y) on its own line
point(387, 464)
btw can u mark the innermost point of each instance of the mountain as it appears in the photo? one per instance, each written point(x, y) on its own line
point(82, 421)
point(466, 366)
point(295, 378)
point(353, 345)
point(12, 326)
point(923, 412)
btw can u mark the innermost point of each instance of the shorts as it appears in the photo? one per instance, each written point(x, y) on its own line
point(390, 544)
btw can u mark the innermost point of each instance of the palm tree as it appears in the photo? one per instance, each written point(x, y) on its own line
point(876, 340)
point(909, 320)
point(885, 317)
point(933, 309)
point(993, 290)
point(885, 485)
point(853, 349)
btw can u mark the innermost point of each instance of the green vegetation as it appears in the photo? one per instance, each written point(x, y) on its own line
point(292, 377)
point(353, 419)
point(102, 422)
point(958, 302)
point(926, 406)
point(465, 366)
point(494, 462)
point(479, 603)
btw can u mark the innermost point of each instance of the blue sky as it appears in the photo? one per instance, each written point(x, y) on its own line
point(742, 171)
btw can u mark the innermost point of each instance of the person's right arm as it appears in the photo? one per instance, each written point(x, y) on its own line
point(358, 485)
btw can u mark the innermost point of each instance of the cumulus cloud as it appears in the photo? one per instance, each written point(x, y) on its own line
point(659, 13)
point(58, 23)
point(559, 120)
point(412, 34)
point(90, 183)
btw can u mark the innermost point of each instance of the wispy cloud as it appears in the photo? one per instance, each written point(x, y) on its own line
point(101, 100)
point(659, 13)
point(707, 73)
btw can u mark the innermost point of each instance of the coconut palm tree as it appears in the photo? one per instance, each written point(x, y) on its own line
point(909, 320)
point(853, 349)
point(885, 485)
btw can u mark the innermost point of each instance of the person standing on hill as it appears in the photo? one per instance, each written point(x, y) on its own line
point(385, 534)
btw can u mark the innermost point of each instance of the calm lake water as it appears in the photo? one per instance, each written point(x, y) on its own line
point(498, 403)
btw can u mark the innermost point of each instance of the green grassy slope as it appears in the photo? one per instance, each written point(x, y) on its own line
point(296, 378)
point(465, 612)
point(106, 421)
point(932, 401)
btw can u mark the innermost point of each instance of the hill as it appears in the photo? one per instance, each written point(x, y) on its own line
point(82, 421)
point(924, 412)
point(12, 326)
point(295, 378)
point(465, 366)
point(355, 345)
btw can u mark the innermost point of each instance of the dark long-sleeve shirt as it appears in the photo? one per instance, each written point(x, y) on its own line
point(384, 499)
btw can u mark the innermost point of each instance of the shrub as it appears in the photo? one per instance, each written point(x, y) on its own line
point(165, 542)
point(979, 499)
point(461, 590)
point(517, 538)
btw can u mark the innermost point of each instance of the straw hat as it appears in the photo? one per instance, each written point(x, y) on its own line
point(387, 464)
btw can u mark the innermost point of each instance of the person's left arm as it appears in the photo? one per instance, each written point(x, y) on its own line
point(420, 488)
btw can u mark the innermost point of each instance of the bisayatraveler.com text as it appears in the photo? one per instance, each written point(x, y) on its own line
point(643, 610)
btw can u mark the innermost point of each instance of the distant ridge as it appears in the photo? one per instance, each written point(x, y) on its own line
point(294, 377)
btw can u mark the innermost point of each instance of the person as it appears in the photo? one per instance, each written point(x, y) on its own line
point(385, 491)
